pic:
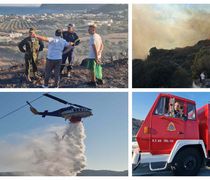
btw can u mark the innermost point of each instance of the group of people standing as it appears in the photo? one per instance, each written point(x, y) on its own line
point(60, 48)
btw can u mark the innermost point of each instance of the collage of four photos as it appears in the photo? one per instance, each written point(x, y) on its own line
point(83, 93)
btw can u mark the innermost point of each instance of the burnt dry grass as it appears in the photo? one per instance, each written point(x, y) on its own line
point(115, 75)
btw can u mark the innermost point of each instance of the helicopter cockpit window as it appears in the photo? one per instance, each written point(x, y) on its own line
point(191, 111)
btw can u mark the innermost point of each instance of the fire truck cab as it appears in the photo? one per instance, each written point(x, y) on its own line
point(173, 135)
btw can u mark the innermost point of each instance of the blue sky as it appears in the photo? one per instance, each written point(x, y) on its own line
point(106, 131)
point(142, 102)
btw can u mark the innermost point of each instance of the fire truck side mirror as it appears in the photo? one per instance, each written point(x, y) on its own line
point(146, 130)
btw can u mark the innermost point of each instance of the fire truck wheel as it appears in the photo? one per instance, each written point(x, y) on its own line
point(187, 162)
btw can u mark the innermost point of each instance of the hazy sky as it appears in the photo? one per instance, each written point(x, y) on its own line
point(168, 26)
point(21, 5)
point(142, 102)
point(106, 131)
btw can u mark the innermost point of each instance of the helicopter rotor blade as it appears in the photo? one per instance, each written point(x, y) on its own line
point(29, 104)
point(55, 98)
point(63, 101)
point(79, 106)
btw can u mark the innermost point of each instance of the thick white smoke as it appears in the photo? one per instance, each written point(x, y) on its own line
point(168, 26)
point(59, 151)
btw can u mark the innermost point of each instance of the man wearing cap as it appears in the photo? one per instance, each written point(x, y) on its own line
point(54, 55)
point(71, 37)
point(31, 47)
point(94, 58)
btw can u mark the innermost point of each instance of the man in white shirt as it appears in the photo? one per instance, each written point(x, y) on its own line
point(54, 55)
point(94, 58)
point(202, 79)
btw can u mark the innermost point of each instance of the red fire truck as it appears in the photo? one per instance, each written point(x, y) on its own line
point(174, 136)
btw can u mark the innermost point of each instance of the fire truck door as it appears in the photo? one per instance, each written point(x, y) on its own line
point(165, 129)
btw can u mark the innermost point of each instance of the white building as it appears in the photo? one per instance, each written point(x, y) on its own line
point(15, 35)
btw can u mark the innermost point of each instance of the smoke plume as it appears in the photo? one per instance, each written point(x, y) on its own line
point(168, 26)
point(59, 151)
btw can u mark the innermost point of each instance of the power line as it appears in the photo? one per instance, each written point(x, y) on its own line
point(19, 108)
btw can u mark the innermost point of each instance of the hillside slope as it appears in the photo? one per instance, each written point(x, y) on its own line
point(172, 68)
point(115, 75)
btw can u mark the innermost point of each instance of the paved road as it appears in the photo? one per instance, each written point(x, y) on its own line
point(144, 171)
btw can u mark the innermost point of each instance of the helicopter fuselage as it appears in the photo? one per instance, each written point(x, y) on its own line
point(74, 112)
point(69, 113)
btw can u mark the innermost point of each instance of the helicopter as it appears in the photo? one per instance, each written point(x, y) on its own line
point(74, 112)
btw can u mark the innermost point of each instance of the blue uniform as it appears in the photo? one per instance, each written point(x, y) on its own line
point(69, 37)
